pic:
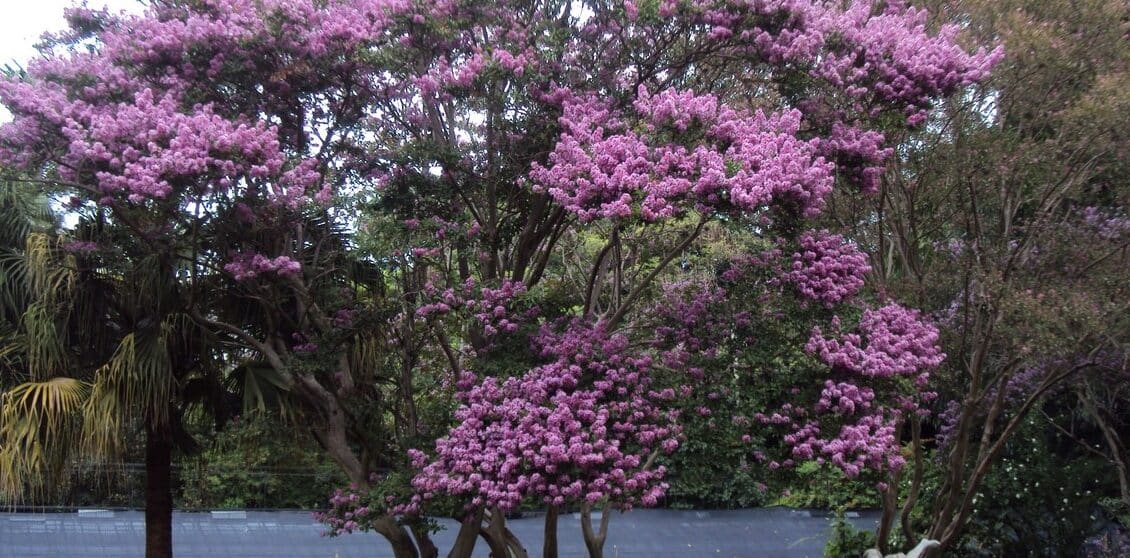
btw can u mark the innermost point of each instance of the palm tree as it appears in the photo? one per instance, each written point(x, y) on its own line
point(96, 340)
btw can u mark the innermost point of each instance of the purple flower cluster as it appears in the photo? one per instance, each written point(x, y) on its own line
point(690, 320)
point(871, 49)
point(348, 513)
point(1109, 226)
point(245, 266)
point(123, 118)
point(580, 428)
point(610, 164)
point(491, 307)
point(80, 246)
point(859, 155)
point(892, 341)
point(141, 148)
point(828, 269)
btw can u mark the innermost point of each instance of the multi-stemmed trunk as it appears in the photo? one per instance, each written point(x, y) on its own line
point(594, 540)
point(499, 538)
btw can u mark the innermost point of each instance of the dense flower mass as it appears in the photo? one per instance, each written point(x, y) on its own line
point(892, 341)
point(876, 51)
point(581, 428)
point(603, 168)
point(859, 155)
point(492, 308)
point(248, 266)
point(853, 424)
point(828, 269)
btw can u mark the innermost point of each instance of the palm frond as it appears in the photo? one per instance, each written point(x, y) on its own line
point(262, 387)
point(14, 291)
point(23, 210)
point(367, 357)
point(38, 425)
point(137, 381)
point(47, 276)
point(45, 352)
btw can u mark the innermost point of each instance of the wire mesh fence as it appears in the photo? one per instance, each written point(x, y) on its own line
point(197, 486)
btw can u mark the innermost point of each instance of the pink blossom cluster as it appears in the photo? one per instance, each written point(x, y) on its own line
point(873, 50)
point(853, 423)
point(245, 266)
point(501, 44)
point(864, 430)
point(128, 115)
point(844, 398)
point(348, 513)
point(892, 56)
point(602, 167)
point(869, 443)
point(689, 317)
point(580, 428)
point(828, 269)
point(491, 307)
point(80, 246)
point(492, 311)
point(143, 147)
point(225, 31)
point(461, 72)
point(859, 155)
point(892, 341)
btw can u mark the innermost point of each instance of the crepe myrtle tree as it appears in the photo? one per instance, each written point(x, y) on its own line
point(626, 168)
point(256, 138)
point(803, 366)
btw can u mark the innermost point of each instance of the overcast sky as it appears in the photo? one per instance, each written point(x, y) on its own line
point(24, 22)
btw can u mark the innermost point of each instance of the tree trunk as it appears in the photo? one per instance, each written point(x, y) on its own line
point(549, 548)
point(424, 543)
point(594, 541)
point(495, 534)
point(889, 499)
point(515, 546)
point(1118, 453)
point(468, 533)
point(158, 494)
point(396, 536)
point(916, 481)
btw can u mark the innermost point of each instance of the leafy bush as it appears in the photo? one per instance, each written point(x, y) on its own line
point(1035, 502)
point(826, 487)
point(846, 541)
point(256, 462)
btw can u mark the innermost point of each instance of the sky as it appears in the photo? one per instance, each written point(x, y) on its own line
point(24, 22)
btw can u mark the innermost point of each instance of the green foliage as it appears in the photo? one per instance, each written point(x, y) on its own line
point(1117, 509)
point(703, 474)
point(258, 462)
point(846, 541)
point(1036, 502)
point(826, 487)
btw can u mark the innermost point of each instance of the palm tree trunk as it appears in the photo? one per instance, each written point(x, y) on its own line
point(158, 494)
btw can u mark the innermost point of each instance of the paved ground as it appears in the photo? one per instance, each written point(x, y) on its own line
point(756, 533)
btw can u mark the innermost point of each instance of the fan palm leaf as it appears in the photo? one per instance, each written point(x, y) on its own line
point(38, 425)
